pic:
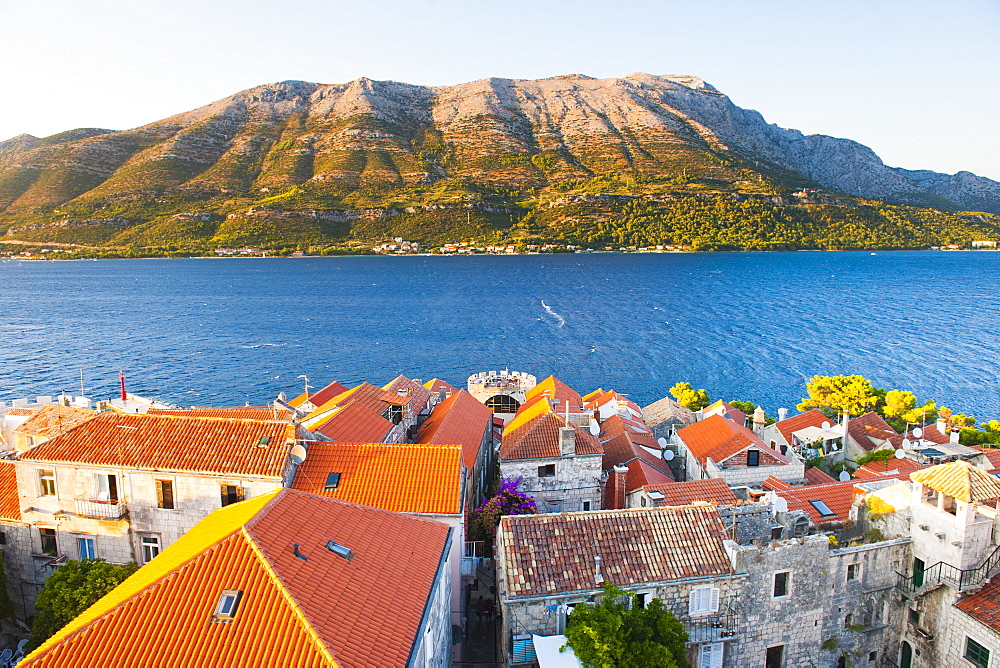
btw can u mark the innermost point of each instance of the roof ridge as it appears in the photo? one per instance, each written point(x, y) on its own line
point(297, 610)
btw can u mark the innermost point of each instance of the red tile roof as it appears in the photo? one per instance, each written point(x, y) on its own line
point(720, 438)
point(10, 504)
point(167, 443)
point(417, 394)
point(876, 469)
point(321, 397)
point(553, 388)
point(992, 455)
point(539, 439)
point(460, 419)
point(321, 611)
point(238, 413)
point(712, 490)
point(838, 497)
point(871, 426)
point(50, 420)
point(773, 483)
point(929, 433)
point(727, 409)
point(789, 426)
point(555, 553)
point(984, 605)
point(626, 442)
point(355, 423)
point(817, 476)
point(641, 473)
point(436, 384)
point(400, 478)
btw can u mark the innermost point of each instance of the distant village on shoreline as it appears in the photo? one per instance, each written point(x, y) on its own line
point(417, 523)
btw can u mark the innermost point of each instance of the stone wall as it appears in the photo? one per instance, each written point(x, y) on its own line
point(577, 479)
point(432, 648)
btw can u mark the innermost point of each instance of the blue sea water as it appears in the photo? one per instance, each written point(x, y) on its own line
point(750, 326)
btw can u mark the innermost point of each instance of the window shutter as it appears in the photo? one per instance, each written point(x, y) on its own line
point(705, 660)
point(159, 493)
point(717, 650)
point(714, 604)
point(693, 602)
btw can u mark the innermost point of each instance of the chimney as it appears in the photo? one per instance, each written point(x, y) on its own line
point(782, 414)
point(442, 393)
point(567, 441)
point(953, 436)
point(758, 420)
point(942, 426)
point(618, 482)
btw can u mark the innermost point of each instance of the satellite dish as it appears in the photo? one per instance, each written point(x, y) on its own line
point(906, 444)
point(781, 505)
point(900, 454)
point(918, 432)
point(595, 428)
point(668, 455)
point(298, 454)
point(844, 476)
point(825, 426)
point(662, 441)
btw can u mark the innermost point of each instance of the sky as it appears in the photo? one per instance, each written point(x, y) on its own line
point(918, 81)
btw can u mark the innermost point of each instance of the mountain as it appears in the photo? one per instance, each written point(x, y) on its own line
point(569, 157)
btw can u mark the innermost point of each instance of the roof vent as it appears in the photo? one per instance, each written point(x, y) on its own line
point(264, 441)
point(340, 550)
point(295, 549)
point(332, 481)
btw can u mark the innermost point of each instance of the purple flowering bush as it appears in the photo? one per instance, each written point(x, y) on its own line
point(508, 500)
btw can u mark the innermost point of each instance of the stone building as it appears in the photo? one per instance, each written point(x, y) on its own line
point(558, 463)
point(719, 447)
point(284, 579)
point(502, 391)
point(123, 487)
point(666, 416)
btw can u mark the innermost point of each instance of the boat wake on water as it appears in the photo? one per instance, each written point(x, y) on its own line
point(548, 309)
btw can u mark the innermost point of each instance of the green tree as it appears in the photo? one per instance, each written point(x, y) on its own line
point(747, 407)
point(74, 587)
point(874, 456)
point(689, 397)
point(6, 604)
point(835, 394)
point(617, 634)
point(898, 403)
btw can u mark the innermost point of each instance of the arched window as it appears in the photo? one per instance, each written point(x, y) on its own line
point(503, 403)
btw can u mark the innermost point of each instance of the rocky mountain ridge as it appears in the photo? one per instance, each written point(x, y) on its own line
point(297, 145)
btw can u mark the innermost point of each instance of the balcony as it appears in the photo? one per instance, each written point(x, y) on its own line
point(712, 629)
point(100, 508)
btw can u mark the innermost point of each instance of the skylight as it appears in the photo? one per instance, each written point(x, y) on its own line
point(229, 603)
point(332, 480)
point(822, 508)
point(341, 550)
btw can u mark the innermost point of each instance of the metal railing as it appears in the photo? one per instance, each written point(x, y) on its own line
point(943, 573)
point(711, 628)
point(100, 509)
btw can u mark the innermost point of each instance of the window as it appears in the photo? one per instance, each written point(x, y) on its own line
point(332, 482)
point(780, 584)
point(774, 657)
point(640, 600)
point(49, 545)
point(229, 603)
point(776, 533)
point(547, 471)
point(872, 656)
point(918, 572)
point(165, 494)
point(710, 656)
point(821, 508)
point(86, 548)
point(555, 505)
point(852, 571)
point(753, 457)
point(3, 537)
point(231, 494)
point(46, 482)
point(914, 617)
point(976, 653)
point(848, 620)
point(106, 487)
point(586, 505)
point(703, 600)
point(948, 504)
point(150, 546)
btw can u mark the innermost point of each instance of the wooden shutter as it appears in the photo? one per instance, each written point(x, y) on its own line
point(713, 605)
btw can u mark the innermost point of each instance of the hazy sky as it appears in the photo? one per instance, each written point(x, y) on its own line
point(918, 81)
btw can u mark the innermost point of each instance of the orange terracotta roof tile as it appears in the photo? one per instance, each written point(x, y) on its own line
point(435, 385)
point(268, 413)
point(876, 468)
point(641, 473)
point(416, 394)
point(727, 408)
point(355, 423)
point(773, 483)
point(961, 480)
point(992, 455)
point(10, 505)
point(869, 431)
point(838, 497)
point(17, 411)
point(553, 388)
point(712, 490)
point(321, 397)
point(460, 419)
point(984, 605)
point(321, 611)
point(539, 439)
point(789, 426)
point(51, 420)
point(929, 433)
point(817, 476)
point(371, 397)
point(168, 443)
point(395, 477)
point(555, 553)
point(528, 411)
point(720, 438)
